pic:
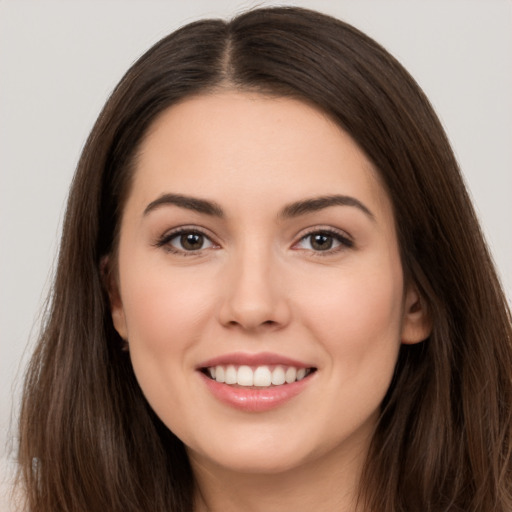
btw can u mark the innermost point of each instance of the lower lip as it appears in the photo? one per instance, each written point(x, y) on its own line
point(254, 399)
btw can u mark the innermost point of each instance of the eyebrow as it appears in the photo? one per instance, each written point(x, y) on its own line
point(319, 203)
point(291, 210)
point(190, 203)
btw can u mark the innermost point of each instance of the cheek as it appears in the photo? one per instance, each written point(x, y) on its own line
point(163, 307)
point(357, 320)
point(166, 311)
point(357, 315)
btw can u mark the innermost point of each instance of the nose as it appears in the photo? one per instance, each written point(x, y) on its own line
point(255, 296)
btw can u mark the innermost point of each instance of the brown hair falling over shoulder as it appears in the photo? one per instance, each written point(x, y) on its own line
point(88, 439)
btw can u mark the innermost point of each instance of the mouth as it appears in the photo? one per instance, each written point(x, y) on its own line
point(256, 377)
point(257, 382)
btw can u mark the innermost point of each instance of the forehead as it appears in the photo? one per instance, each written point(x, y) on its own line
point(260, 149)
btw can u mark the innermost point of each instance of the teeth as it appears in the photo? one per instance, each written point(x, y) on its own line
point(290, 375)
point(230, 375)
point(219, 374)
point(278, 376)
point(260, 376)
point(245, 376)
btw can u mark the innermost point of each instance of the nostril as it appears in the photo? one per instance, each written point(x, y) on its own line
point(269, 323)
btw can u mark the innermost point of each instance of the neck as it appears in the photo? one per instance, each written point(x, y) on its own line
point(328, 483)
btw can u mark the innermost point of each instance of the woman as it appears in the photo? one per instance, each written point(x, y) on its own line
point(272, 291)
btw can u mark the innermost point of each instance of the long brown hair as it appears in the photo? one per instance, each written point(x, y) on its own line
point(89, 440)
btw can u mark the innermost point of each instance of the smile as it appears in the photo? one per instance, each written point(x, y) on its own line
point(256, 383)
point(259, 376)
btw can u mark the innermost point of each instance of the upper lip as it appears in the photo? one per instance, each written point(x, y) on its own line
point(257, 359)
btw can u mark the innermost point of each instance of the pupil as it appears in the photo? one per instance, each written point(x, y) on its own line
point(192, 241)
point(321, 242)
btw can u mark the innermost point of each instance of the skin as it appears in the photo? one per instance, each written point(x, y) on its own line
point(258, 285)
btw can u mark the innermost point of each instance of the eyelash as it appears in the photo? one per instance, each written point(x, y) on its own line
point(167, 238)
point(344, 241)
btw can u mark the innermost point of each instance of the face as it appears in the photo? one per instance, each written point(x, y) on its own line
point(259, 284)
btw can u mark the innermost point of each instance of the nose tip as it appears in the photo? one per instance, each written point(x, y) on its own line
point(253, 318)
point(254, 300)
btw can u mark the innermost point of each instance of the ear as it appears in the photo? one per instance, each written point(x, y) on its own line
point(111, 284)
point(417, 322)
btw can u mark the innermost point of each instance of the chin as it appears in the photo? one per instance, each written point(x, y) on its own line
point(264, 455)
point(256, 463)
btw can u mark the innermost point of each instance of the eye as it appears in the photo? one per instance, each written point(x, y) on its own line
point(185, 241)
point(324, 241)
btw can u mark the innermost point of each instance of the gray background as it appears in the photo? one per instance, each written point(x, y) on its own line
point(60, 60)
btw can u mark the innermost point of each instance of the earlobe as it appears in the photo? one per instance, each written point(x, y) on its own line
point(417, 321)
point(116, 306)
point(119, 321)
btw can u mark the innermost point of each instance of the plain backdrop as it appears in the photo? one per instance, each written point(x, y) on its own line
point(60, 60)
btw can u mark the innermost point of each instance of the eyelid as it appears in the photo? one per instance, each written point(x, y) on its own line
point(346, 241)
point(165, 239)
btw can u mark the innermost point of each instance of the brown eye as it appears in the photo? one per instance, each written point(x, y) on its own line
point(324, 241)
point(187, 241)
point(192, 241)
point(321, 242)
